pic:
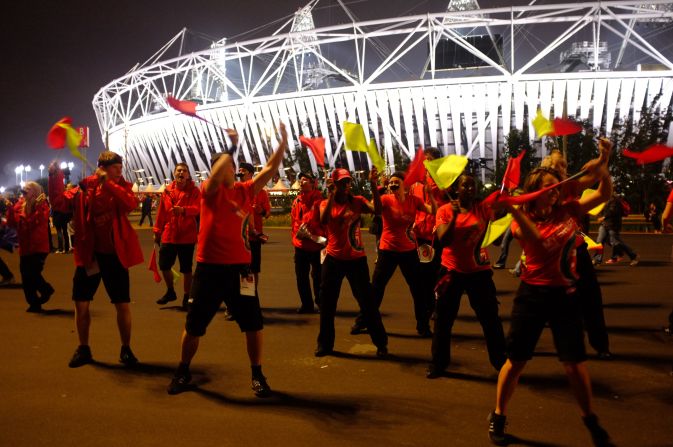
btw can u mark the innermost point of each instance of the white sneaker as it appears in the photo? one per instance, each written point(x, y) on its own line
point(634, 261)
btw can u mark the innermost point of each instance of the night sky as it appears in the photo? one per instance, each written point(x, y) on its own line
point(57, 54)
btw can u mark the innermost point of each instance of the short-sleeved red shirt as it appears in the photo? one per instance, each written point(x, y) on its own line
point(670, 197)
point(344, 238)
point(551, 261)
point(398, 222)
point(225, 216)
point(465, 254)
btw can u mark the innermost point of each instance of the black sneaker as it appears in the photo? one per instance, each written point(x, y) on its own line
point(35, 309)
point(599, 436)
point(358, 328)
point(185, 302)
point(168, 297)
point(81, 357)
point(424, 332)
point(496, 428)
point(126, 356)
point(306, 310)
point(382, 351)
point(433, 372)
point(604, 355)
point(322, 352)
point(46, 295)
point(260, 387)
point(228, 315)
point(180, 382)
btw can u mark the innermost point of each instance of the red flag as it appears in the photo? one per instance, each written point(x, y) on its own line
point(654, 153)
point(153, 266)
point(416, 170)
point(57, 134)
point(565, 126)
point(186, 107)
point(513, 172)
point(317, 147)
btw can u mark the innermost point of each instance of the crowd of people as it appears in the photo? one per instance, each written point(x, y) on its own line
point(434, 236)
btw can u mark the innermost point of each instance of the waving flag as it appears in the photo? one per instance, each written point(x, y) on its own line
point(153, 265)
point(62, 134)
point(599, 208)
point(373, 152)
point(317, 148)
point(416, 170)
point(495, 229)
point(556, 128)
point(652, 154)
point(444, 171)
point(513, 172)
point(186, 107)
point(354, 137)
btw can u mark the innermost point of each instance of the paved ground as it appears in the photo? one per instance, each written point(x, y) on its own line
point(351, 399)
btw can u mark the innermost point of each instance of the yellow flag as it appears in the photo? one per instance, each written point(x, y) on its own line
point(444, 171)
point(373, 152)
point(542, 125)
point(599, 208)
point(591, 244)
point(354, 137)
point(176, 276)
point(72, 140)
point(495, 229)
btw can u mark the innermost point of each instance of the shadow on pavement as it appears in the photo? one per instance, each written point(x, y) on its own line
point(632, 305)
point(59, 313)
point(515, 440)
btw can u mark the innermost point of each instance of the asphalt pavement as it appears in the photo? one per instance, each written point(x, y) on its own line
point(350, 399)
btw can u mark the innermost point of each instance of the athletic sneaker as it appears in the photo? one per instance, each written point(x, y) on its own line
point(599, 436)
point(126, 356)
point(260, 386)
point(81, 357)
point(180, 381)
point(168, 297)
point(615, 260)
point(496, 428)
point(634, 261)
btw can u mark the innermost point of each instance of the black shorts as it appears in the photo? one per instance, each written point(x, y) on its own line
point(184, 253)
point(115, 279)
point(536, 305)
point(256, 253)
point(214, 283)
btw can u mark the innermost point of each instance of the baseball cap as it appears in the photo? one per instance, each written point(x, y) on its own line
point(308, 175)
point(340, 174)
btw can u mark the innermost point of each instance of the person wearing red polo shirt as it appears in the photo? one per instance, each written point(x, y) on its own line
point(29, 216)
point(260, 209)
point(666, 218)
point(346, 257)
point(306, 230)
point(397, 247)
point(176, 231)
point(106, 246)
point(461, 227)
point(223, 261)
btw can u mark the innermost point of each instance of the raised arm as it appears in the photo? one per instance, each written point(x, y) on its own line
point(272, 165)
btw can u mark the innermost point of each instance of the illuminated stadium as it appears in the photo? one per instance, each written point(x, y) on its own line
point(457, 79)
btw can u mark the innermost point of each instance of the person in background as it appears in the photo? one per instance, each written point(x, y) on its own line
point(222, 264)
point(61, 211)
point(29, 216)
point(146, 209)
point(653, 216)
point(611, 224)
point(5, 272)
point(666, 218)
point(306, 231)
point(106, 246)
point(261, 208)
point(175, 231)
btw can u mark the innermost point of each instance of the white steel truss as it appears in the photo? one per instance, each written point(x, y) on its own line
point(382, 80)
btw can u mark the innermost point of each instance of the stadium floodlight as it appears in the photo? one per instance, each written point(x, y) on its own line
point(2, 189)
point(41, 170)
point(71, 165)
point(64, 165)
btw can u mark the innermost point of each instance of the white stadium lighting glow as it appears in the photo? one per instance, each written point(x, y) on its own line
point(2, 189)
point(64, 165)
point(22, 184)
point(465, 108)
point(27, 168)
point(71, 165)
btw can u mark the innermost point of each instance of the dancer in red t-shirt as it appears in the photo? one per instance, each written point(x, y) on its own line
point(546, 228)
point(346, 257)
point(222, 259)
point(460, 229)
point(306, 235)
point(397, 247)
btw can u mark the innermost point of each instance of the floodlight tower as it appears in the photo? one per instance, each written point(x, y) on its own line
point(646, 7)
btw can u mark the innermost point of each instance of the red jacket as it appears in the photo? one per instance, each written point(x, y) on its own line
point(56, 188)
point(306, 210)
point(32, 229)
point(261, 207)
point(127, 246)
point(180, 229)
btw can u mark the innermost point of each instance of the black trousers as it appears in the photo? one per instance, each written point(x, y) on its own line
point(306, 267)
point(480, 290)
point(421, 289)
point(32, 281)
point(357, 273)
point(591, 301)
point(5, 272)
point(147, 214)
point(61, 224)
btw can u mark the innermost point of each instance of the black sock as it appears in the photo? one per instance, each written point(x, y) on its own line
point(256, 370)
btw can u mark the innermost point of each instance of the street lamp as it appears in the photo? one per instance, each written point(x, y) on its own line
point(17, 171)
point(41, 169)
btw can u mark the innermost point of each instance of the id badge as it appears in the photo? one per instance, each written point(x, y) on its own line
point(247, 285)
point(92, 269)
